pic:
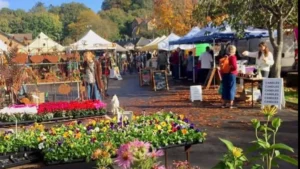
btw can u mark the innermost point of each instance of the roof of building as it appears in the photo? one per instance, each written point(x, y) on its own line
point(10, 38)
point(22, 36)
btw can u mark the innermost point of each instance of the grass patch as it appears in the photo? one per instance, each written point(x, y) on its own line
point(291, 95)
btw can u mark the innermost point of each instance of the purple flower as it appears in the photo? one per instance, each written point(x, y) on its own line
point(192, 126)
point(89, 128)
point(186, 120)
point(89, 132)
point(119, 123)
point(59, 142)
point(197, 130)
point(178, 127)
point(79, 122)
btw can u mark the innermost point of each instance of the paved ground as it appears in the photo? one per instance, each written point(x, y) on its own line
point(219, 123)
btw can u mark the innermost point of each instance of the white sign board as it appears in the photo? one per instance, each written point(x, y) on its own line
point(196, 93)
point(126, 115)
point(273, 92)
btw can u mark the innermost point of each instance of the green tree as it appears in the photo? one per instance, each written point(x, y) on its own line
point(4, 25)
point(68, 13)
point(43, 22)
point(88, 19)
point(122, 4)
point(272, 15)
point(39, 7)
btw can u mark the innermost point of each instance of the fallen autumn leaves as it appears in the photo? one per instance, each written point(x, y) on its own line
point(206, 113)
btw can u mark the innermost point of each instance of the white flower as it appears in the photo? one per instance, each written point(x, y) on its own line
point(44, 137)
point(84, 128)
point(97, 129)
point(41, 146)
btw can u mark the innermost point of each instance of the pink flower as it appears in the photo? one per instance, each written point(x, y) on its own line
point(140, 144)
point(125, 157)
point(155, 154)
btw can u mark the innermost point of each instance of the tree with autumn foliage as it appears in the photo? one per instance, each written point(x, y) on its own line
point(272, 15)
point(89, 20)
point(174, 15)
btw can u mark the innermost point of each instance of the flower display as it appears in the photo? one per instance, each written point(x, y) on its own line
point(82, 140)
point(50, 110)
point(54, 107)
point(137, 155)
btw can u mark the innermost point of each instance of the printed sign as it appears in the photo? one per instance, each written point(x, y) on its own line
point(196, 93)
point(145, 77)
point(273, 93)
point(160, 80)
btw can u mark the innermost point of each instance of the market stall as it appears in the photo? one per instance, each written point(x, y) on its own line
point(153, 45)
point(42, 44)
point(93, 42)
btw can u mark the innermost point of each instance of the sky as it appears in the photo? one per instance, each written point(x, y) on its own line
point(95, 5)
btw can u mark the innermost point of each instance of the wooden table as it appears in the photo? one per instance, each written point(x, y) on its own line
point(252, 80)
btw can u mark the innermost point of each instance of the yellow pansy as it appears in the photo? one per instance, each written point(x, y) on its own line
point(158, 127)
point(66, 134)
point(237, 152)
point(181, 117)
point(93, 122)
point(71, 145)
point(204, 134)
point(70, 132)
point(6, 137)
point(169, 126)
point(78, 135)
point(184, 131)
point(114, 119)
point(104, 129)
point(107, 121)
point(57, 129)
point(163, 124)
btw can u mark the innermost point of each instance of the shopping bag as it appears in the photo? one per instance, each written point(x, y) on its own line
point(220, 89)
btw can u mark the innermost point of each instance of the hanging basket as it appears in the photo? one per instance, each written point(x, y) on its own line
point(64, 89)
point(37, 58)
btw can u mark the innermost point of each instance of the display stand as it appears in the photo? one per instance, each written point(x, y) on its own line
point(145, 76)
point(211, 76)
point(160, 80)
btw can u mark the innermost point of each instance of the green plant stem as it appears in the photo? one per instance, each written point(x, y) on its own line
point(266, 139)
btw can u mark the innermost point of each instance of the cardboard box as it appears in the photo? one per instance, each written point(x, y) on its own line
point(41, 97)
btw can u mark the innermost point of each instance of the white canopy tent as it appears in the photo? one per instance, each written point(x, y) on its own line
point(92, 41)
point(164, 45)
point(119, 48)
point(3, 46)
point(154, 44)
point(42, 44)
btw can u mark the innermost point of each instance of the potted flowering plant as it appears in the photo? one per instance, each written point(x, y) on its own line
point(103, 155)
point(137, 155)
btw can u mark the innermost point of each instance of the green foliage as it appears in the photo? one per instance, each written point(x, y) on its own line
point(271, 15)
point(57, 21)
point(43, 22)
point(269, 151)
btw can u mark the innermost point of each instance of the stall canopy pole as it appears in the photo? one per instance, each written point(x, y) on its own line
point(194, 78)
